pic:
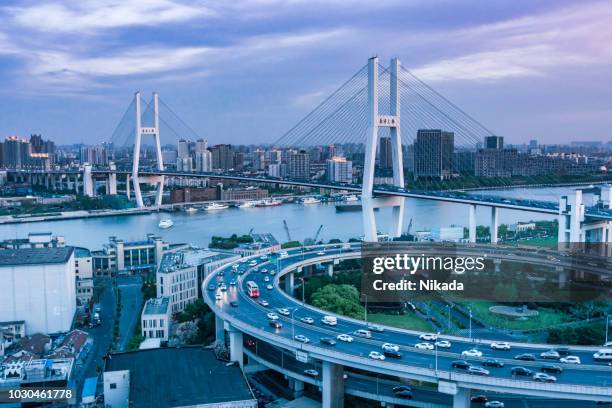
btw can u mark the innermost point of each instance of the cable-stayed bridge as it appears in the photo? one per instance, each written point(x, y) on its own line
point(376, 103)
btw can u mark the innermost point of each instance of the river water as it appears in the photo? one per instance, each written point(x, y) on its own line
point(303, 221)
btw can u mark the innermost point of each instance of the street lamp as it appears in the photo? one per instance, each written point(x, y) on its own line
point(470, 309)
point(436, 349)
point(293, 323)
point(365, 311)
point(448, 308)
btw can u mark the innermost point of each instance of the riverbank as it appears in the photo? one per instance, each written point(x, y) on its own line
point(70, 215)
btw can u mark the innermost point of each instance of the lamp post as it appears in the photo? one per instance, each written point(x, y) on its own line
point(365, 311)
point(293, 323)
point(470, 309)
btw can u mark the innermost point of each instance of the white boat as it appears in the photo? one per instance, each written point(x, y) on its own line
point(269, 203)
point(310, 200)
point(165, 223)
point(191, 210)
point(215, 207)
point(248, 204)
point(351, 198)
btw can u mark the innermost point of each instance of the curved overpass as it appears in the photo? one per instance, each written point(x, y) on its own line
point(589, 381)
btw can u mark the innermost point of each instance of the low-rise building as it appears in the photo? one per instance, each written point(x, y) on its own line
point(150, 379)
point(10, 334)
point(262, 244)
point(522, 226)
point(181, 274)
point(155, 319)
point(36, 373)
point(453, 233)
point(43, 290)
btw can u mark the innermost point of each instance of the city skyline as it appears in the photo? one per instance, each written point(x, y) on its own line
point(71, 75)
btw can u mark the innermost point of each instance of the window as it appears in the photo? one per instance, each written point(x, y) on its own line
point(113, 386)
point(161, 323)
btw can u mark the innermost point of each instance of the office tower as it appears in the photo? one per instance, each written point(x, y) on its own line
point(16, 152)
point(183, 149)
point(203, 161)
point(494, 142)
point(433, 153)
point(222, 157)
point(339, 170)
point(385, 154)
point(299, 165)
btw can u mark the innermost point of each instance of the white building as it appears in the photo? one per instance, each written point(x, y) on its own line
point(155, 319)
point(203, 161)
point(339, 170)
point(181, 274)
point(83, 269)
point(38, 286)
point(453, 233)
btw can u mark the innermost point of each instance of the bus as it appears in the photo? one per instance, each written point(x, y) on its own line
point(253, 289)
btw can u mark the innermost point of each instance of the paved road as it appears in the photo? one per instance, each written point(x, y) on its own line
point(252, 313)
point(131, 302)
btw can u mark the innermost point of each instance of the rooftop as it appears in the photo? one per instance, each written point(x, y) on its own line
point(185, 376)
point(190, 257)
point(80, 252)
point(156, 306)
point(35, 256)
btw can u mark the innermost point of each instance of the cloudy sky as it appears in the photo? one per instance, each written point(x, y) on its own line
point(246, 71)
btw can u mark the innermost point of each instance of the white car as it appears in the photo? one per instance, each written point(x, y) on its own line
point(312, 373)
point(500, 345)
point(307, 320)
point(424, 346)
point(471, 353)
point(264, 303)
point(443, 344)
point(272, 316)
point(345, 337)
point(495, 404)
point(550, 354)
point(301, 338)
point(543, 377)
point(269, 287)
point(363, 333)
point(266, 279)
point(390, 347)
point(428, 337)
point(376, 355)
point(321, 253)
point(218, 296)
point(284, 311)
point(570, 360)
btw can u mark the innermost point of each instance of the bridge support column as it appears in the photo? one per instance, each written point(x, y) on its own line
point(297, 386)
point(497, 265)
point(561, 277)
point(472, 223)
point(219, 330)
point(333, 385)
point(236, 346)
point(494, 224)
point(76, 183)
point(289, 283)
point(462, 398)
point(127, 186)
point(111, 182)
point(330, 269)
point(88, 184)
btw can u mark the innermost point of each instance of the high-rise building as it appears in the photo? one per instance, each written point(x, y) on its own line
point(385, 154)
point(433, 154)
point(259, 160)
point(203, 161)
point(222, 157)
point(15, 152)
point(339, 170)
point(201, 145)
point(183, 149)
point(494, 142)
point(96, 155)
point(184, 164)
point(299, 165)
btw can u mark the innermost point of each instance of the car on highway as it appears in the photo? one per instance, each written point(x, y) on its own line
point(264, 303)
point(428, 337)
point(269, 287)
point(345, 337)
point(479, 398)
point(390, 346)
point(492, 362)
point(477, 370)
point(222, 287)
point(311, 372)
point(550, 355)
point(329, 320)
point(525, 357)
point(521, 371)
point(376, 355)
point(234, 303)
point(424, 346)
point(233, 282)
point(495, 404)
point(443, 344)
point(307, 320)
point(398, 388)
point(407, 394)
point(563, 351)
point(543, 377)
point(272, 316)
point(363, 333)
point(570, 360)
point(218, 296)
point(301, 338)
point(500, 345)
point(471, 353)
point(275, 324)
point(392, 353)
point(212, 286)
point(603, 355)
point(461, 364)
point(376, 328)
point(328, 340)
point(551, 368)
point(284, 311)
point(321, 253)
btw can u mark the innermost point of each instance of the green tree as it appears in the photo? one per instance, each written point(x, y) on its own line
point(342, 299)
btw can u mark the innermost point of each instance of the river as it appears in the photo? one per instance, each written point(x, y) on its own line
point(303, 221)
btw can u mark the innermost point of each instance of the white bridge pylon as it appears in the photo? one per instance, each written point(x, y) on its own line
point(147, 131)
point(375, 121)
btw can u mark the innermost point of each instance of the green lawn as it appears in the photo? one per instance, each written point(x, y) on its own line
point(547, 318)
point(408, 321)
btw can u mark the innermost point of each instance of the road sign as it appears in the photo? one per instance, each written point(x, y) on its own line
point(446, 387)
point(301, 356)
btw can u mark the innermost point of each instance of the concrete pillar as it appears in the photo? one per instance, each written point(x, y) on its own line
point(462, 398)
point(330, 269)
point(497, 264)
point(561, 277)
point(472, 223)
point(112, 179)
point(494, 224)
point(76, 183)
point(297, 386)
point(333, 385)
point(236, 346)
point(219, 331)
point(289, 283)
point(88, 184)
point(127, 186)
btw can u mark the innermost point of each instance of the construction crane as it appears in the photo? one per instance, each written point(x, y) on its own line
point(409, 227)
point(317, 234)
point(251, 230)
point(287, 231)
